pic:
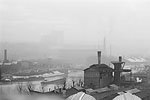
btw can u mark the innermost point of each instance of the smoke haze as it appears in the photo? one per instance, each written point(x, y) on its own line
point(36, 28)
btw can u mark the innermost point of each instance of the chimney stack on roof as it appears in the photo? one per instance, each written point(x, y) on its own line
point(99, 57)
point(120, 58)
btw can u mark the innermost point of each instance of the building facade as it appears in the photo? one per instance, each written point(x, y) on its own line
point(98, 76)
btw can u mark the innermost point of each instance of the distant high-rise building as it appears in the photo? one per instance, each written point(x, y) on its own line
point(5, 55)
point(54, 39)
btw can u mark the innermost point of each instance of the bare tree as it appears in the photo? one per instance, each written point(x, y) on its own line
point(29, 87)
point(73, 83)
point(20, 88)
point(80, 82)
point(64, 85)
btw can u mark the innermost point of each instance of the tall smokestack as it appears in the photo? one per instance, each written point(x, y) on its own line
point(99, 57)
point(120, 59)
point(5, 55)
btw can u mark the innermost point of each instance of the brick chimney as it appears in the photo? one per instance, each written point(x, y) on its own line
point(99, 57)
point(120, 59)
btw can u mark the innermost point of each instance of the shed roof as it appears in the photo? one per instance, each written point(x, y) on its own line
point(78, 88)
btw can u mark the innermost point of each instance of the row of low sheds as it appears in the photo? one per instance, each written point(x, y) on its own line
point(113, 92)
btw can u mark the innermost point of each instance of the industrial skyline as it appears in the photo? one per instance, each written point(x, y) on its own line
point(125, 23)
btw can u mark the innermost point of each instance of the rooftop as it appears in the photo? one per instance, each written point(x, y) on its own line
point(100, 67)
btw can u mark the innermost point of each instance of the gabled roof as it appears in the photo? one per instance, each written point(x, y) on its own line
point(100, 67)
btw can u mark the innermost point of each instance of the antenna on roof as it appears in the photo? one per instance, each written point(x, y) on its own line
point(105, 53)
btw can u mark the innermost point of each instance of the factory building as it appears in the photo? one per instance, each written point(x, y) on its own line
point(98, 75)
point(101, 75)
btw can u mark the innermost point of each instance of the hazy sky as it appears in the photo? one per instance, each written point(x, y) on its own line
point(124, 23)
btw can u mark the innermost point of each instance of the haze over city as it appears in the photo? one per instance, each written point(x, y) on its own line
point(44, 25)
point(74, 49)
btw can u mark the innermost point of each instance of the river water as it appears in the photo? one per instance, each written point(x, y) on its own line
point(12, 91)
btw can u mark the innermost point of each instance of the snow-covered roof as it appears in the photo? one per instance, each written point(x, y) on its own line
point(5, 63)
point(135, 59)
point(80, 96)
point(127, 96)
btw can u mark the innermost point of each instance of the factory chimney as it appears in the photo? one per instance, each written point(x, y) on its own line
point(5, 56)
point(99, 57)
point(120, 59)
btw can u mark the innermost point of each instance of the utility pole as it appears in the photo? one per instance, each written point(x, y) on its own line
point(110, 50)
point(104, 46)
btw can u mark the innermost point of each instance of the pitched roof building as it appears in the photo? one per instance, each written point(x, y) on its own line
point(98, 76)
